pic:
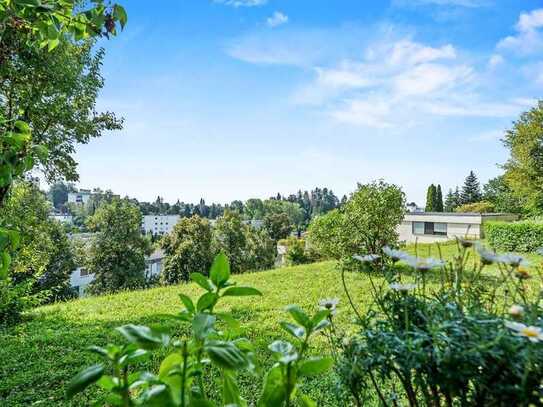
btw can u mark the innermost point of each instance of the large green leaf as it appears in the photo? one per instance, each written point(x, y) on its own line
point(299, 316)
point(226, 355)
point(220, 270)
point(202, 325)
point(240, 291)
point(203, 282)
point(314, 366)
point(206, 301)
point(84, 379)
point(189, 305)
point(273, 393)
point(120, 14)
point(230, 391)
point(143, 336)
point(172, 362)
point(293, 329)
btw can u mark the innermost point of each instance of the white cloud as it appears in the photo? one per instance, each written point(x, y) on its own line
point(277, 19)
point(426, 79)
point(529, 39)
point(242, 3)
point(495, 60)
point(370, 113)
point(407, 51)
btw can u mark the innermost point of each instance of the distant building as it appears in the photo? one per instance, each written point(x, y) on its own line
point(159, 224)
point(62, 217)
point(413, 207)
point(80, 278)
point(79, 197)
point(430, 227)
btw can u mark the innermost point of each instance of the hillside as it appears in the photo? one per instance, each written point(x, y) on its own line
point(40, 355)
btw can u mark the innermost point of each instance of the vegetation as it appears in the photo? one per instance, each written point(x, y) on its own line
point(452, 200)
point(525, 236)
point(523, 170)
point(476, 207)
point(499, 194)
point(471, 191)
point(277, 225)
point(116, 255)
point(366, 222)
point(434, 199)
point(187, 249)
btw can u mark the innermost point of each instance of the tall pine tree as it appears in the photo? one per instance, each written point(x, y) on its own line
point(438, 207)
point(471, 191)
point(450, 201)
point(431, 198)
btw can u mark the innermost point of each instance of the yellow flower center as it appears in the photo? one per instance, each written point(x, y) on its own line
point(530, 332)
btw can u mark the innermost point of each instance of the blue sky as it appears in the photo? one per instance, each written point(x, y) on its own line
point(232, 99)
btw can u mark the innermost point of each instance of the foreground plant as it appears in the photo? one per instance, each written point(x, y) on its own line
point(471, 338)
point(184, 376)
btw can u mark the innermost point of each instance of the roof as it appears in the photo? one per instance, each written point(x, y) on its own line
point(461, 214)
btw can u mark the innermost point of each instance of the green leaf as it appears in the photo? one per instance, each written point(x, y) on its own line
point(230, 391)
point(203, 282)
point(299, 316)
point(52, 44)
point(187, 302)
point(143, 336)
point(241, 292)
point(293, 329)
point(172, 362)
point(319, 316)
point(202, 325)
point(220, 270)
point(226, 355)
point(305, 401)
point(314, 366)
point(273, 393)
point(284, 351)
point(156, 396)
point(108, 382)
point(84, 379)
point(206, 301)
point(4, 267)
point(120, 14)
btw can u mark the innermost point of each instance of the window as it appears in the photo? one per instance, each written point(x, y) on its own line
point(429, 228)
point(83, 272)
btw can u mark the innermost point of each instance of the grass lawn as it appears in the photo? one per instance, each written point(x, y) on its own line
point(41, 354)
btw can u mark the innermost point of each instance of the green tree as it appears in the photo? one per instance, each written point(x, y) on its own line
point(116, 255)
point(44, 259)
point(229, 237)
point(291, 209)
point(471, 191)
point(58, 194)
point(187, 249)
point(277, 225)
point(452, 200)
point(325, 234)
point(431, 198)
point(254, 209)
point(261, 250)
point(498, 192)
point(438, 206)
point(524, 168)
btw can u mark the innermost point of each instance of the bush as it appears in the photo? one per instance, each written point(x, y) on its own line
point(14, 299)
point(476, 207)
point(296, 252)
point(525, 236)
point(367, 223)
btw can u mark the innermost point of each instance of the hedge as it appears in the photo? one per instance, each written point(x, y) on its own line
point(525, 236)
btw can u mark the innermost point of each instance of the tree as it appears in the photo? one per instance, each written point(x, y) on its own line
point(25, 28)
point(58, 194)
point(292, 210)
point(117, 254)
point(277, 225)
point(498, 192)
point(187, 249)
point(229, 237)
point(44, 260)
point(431, 198)
point(524, 168)
point(261, 250)
point(438, 205)
point(471, 191)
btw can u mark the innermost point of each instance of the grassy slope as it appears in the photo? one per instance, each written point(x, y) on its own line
point(40, 355)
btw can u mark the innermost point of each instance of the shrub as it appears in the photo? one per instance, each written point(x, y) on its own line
point(14, 299)
point(278, 225)
point(476, 207)
point(187, 249)
point(367, 222)
point(525, 236)
point(296, 252)
point(261, 250)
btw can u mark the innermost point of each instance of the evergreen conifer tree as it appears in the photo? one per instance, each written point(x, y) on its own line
point(431, 198)
point(438, 207)
point(471, 191)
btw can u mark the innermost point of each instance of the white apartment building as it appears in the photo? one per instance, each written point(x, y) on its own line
point(430, 227)
point(80, 197)
point(159, 224)
point(80, 278)
point(62, 217)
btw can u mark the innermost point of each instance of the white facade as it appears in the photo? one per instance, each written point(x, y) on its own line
point(159, 224)
point(430, 227)
point(62, 218)
point(80, 197)
point(80, 279)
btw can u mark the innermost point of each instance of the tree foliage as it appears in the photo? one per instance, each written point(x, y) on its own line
point(471, 190)
point(524, 168)
point(116, 255)
point(498, 192)
point(188, 249)
point(278, 225)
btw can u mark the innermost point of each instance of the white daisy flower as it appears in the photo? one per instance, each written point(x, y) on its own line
point(513, 260)
point(368, 258)
point(424, 264)
point(395, 255)
point(329, 304)
point(402, 287)
point(487, 256)
point(532, 333)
